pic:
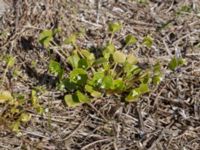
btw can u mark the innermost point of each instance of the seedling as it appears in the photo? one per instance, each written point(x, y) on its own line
point(113, 28)
point(175, 63)
point(148, 41)
point(14, 108)
point(10, 61)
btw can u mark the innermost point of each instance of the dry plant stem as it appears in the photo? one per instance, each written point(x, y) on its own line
point(98, 112)
point(47, 118)
point(167, 48)
point(111, 38)
point(95, 142)
point(155, 105)
point(36, 134)
point(5, 147)
point(4, 76)
point(75, 130)
point(141, 122)
point(90, 23)
point(185, 36)
point(98, 10)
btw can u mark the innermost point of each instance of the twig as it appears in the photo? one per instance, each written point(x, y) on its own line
point(37, 134)
point(167, 48)
point(185, 36)
point(98, 9)
point(75, 130)
point(90, 23)
point(98, 112)
point(95, 142)
point(5, 147)
point(140, 118)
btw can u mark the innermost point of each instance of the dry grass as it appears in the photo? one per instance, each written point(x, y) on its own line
point(167, 118)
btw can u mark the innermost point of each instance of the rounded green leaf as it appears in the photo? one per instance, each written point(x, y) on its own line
point(131, 59)
point(143, 88)
point(118, 84)
point(148, 41)
point(88, 55)
point(71, 39)
point(39, 109)
point(5, 96)
point(97, 79)
point(114, 27)
point(74, 73)
point(71, 100)
point(78, 76)
point(145, 78)
point(15, 126)
point(132, 97)
point(108, 50)
point(119, 57)
point(131, 70)
point(73, 60)
point(100, 61)
point(176, 62)
point(157, 79)
point(92, 92)
point(130, 40)
point(107, 82)
point(82, 97)
point(83, 63)
point(135, 93)
point(10, 61)
point(25, 117)
point(55, 68)
point(69, 85)
point(157, 74)
point(46, 37)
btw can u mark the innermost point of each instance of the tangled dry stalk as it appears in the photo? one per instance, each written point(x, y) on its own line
point(167, 118)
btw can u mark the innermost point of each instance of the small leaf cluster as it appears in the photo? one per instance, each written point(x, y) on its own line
point(176, 62)
point(15, 110)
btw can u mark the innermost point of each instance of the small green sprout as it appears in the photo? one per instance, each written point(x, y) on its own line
point(55, 68)
point(5, 96)
point(73, 60)
point(114, 27)
point(130, 40)
point(10, 61)
point(175, 63)
point(148, 41)
point(46, 37)
point(119, 57)
point(71, 39)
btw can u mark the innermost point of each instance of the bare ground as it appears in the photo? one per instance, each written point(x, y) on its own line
point(168, 118)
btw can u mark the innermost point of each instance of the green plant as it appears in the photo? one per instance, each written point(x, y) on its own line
point(176, 62)
point(148, 41)
point(184, 9)
point(114, 73)
point(10, 61)
point(113, 28)
point(46, 36)
point(15, 110)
